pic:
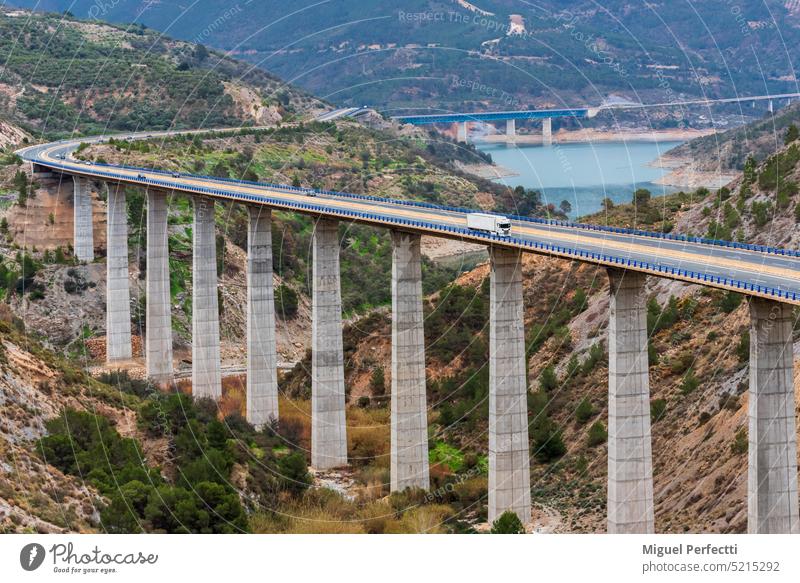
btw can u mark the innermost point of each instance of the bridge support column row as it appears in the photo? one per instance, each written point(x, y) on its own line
point(158, 338)
point(328, 428)
point(509, 455)
point(206, 368)
point(409, 419)
point(262, 379)
point(83, 237)
point(772, 504)
point(630, 466)
point(118, 299)
point(547, 131)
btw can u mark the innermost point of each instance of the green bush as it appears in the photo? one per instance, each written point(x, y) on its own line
point(729, 301)
point(584, 411)
point(660, 319)
point(508, 523)
point(377, 382)
point(286, 301)
point(548, 381)
point(657, 409)
point(548, 442)
point(690, 382)
point(597, 434)
point(740, 445)
point(294, 472)
point(596, 354)
point(743, 347)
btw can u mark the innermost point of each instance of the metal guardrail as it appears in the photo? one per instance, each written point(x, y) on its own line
point(547, 247)
point(518, 218)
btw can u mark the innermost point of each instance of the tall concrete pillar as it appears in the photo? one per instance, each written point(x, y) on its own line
point(630, 466)
point(206, 368)
point(83, 237)
point(547, 131)
point(118, 299)
point(770, 106)
point(511, 129)
point(328, 427)
point(509, 454)
point(409, 432)
point(158, 334)
point(463, 134)
point(772, 505)
point(262, 371)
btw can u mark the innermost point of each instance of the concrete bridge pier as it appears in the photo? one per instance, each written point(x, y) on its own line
point(83, 237)
point(118, 299)
point(206, 367)
point(547, 131)
point(511, 129)
point(630, 466)
point(463, 131)
point(328, 426)
point(409, 423)
point(158, 333)
point(262, 371)
point(509, 456)
point(772, 504)
point(770, 107)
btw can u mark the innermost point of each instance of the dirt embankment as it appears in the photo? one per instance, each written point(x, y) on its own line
point(47, 220)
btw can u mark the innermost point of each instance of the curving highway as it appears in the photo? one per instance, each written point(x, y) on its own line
point(752, 270)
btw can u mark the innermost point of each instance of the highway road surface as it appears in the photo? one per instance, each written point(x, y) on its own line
point(753, 271)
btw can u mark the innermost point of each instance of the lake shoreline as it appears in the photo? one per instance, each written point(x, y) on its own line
point(582, 174)
point(595, 135)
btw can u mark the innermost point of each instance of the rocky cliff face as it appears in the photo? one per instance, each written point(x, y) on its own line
point(11, 135)
point(36, 386)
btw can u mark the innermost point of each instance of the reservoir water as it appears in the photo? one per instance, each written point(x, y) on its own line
point(583, 173)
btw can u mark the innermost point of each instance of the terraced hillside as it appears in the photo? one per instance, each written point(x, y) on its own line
point(62, 75)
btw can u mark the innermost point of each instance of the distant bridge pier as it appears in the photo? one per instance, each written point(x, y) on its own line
point(409, 409)
point(83, 238)
point(328, 426)
point(118, 298)
point(463, 131)
point(262, 366)
point(511, 129)
point(158, 335)
point(770, 107)
point(509, 454)
point(547, 131)
point(630, 466)
point(206, 367)
point(772, 504)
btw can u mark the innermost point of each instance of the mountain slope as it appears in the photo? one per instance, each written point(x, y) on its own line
point(494, 53)
point(730, 149)
point(61, 75)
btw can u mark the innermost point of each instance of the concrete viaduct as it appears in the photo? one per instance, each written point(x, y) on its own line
point(770, 277)
point(462, 120)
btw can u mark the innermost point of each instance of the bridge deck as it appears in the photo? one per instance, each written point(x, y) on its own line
point(766, 273)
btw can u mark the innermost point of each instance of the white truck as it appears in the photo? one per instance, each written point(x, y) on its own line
point(487, 223)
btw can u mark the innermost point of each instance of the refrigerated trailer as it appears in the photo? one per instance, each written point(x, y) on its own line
point(487, 223)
